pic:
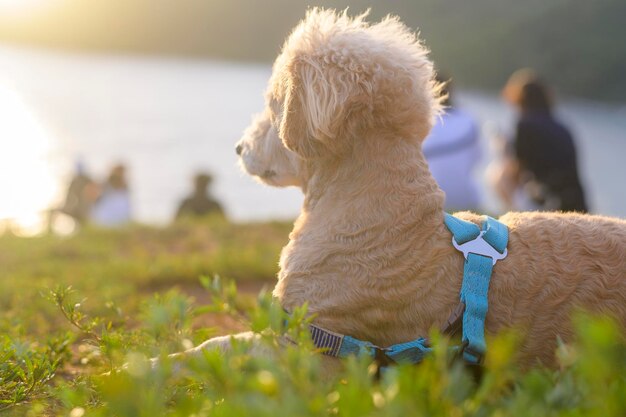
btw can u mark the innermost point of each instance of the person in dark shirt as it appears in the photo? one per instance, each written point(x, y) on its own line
point(77, 202)
point(543, 148)
point(200, 202)
point(79, 198)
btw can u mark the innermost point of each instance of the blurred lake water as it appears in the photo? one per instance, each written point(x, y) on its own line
point(168, 118)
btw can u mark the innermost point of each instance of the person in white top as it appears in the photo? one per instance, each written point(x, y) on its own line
point(113, 206)
point(453, 150)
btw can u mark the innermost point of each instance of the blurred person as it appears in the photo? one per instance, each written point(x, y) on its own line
point(541, 158)
point(452, 150)
point(79, 197)
point(112, 208)
point(200, 202)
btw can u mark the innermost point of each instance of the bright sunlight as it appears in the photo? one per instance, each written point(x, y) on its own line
point(20, 6)
point(26, 181)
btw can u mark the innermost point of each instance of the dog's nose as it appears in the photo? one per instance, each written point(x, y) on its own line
point(238, 149)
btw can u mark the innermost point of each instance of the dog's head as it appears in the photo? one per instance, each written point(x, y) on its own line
point(262, 154)
point(339, 82)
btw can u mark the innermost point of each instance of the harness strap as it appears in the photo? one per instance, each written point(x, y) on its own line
point(410, 352)
point(324, 339)
point(341, 346)
point(476, 273)
point(476, 277)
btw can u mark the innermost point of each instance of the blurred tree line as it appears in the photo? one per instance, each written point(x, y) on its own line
point(578, 45)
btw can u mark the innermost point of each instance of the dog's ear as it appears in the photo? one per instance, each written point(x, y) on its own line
point(294, 129)
point(317, 101)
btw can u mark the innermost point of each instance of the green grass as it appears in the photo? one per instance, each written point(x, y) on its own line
point(143, 292)
point(119, 267)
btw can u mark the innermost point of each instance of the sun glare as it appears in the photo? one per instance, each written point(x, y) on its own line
point(18, 7)
point(27, 185)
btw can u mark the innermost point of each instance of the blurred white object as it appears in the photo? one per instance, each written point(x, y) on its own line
point(453, 151)
point(112, 209)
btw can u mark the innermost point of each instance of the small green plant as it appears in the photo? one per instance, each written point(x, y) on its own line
point(26, 368)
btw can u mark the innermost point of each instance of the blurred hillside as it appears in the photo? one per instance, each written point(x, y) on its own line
point(579, 46)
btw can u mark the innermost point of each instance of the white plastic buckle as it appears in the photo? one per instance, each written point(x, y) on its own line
point(479, 246)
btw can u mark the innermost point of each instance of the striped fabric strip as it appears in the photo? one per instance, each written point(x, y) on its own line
point(329, 341)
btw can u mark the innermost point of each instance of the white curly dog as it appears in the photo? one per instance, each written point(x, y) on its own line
point(348, 106)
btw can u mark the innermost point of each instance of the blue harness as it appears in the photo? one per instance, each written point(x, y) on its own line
point(481, 249)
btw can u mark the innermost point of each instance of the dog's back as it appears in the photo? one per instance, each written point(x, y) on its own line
point(557, 264)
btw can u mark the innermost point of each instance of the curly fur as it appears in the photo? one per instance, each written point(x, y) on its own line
point(351, 103)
